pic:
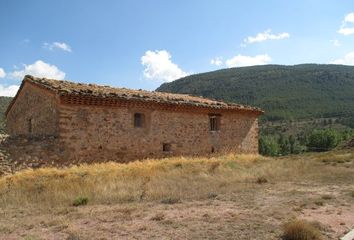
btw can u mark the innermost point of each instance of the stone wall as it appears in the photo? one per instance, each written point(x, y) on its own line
point(96, 134)
point(64, 134)
point(20, 152)
point(34, 113)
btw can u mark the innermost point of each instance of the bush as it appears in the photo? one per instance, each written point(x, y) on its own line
point(80, 201)
point(323, 140)
point(301, 230)
point(261, 180)
point(268, 146)
point(284, 145)
point(348, 122)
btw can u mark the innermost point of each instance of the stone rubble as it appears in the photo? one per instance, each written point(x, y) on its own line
point(17, 153)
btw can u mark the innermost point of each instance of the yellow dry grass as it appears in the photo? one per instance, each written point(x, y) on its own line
point(301, 230)
point(155, 180)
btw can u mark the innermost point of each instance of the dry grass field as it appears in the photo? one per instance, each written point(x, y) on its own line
point(221, 197)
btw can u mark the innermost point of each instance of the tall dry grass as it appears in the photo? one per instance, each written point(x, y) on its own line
point(178, 177)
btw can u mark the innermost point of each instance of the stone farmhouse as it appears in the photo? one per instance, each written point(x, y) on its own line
point(92, 123)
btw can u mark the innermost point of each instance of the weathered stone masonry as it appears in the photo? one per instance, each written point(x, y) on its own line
point(33, 106)
point(93, 123)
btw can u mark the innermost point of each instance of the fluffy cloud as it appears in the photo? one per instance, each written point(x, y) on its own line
point(158, 66)
point(2, 73)
point(57, 45)
point(266, 35)
point(347, 27)
point(216, 61)
point(348, 59)
point(39, 69)
point(242, 61)
point(8, 91)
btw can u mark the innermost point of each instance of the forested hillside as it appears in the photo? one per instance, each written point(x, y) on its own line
point(4, 102)
point(284, 92)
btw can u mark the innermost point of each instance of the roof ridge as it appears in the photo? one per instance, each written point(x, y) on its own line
point(70, 88)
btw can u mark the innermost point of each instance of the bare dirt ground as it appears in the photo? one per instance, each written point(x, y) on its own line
point(253, 211)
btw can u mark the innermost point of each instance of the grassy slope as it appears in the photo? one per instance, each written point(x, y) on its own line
point(300, 91)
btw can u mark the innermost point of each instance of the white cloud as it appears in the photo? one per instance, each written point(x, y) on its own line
point(336, 43)
point(264, 36)
point(39, 69)
point(57, 45)
point(2, 73)
point(216, 61)
point(348, 59)
point(9, 91)
point(347, 27)
point(242, 61)
point(159, 67)
point(349, 18)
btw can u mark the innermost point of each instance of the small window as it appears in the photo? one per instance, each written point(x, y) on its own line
point(214, 122)
point(139, 119)
point(166, 147)
point(30, 125)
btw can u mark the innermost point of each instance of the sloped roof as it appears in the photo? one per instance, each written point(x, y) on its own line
point(72, 89)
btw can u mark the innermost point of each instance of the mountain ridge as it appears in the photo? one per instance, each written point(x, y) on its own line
point(283, 91)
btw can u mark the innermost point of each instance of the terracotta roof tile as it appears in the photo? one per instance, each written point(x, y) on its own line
point(67, 88)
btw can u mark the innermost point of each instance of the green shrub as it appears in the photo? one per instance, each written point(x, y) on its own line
point(301, 230)
point(323, 140)
point(80, 201)
point(284, 145)
point(268, 146)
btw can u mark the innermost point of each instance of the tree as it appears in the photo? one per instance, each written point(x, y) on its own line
point(284, 145)
point(268, 146)
point(292, 142)
point(323, 140)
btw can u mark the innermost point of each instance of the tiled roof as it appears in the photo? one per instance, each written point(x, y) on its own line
point(67, 88)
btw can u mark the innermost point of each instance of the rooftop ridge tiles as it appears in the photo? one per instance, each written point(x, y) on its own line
point(64, 87)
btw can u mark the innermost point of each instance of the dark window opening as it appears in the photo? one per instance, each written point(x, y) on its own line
point(30, 127)
point(214, 122)
point(139, 119)
point(212, 149)
point(166, 147)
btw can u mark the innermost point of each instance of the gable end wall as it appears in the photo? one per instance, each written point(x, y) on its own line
point(36, 107)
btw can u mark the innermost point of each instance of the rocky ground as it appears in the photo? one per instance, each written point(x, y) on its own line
point(5, 164)
point(17, 153)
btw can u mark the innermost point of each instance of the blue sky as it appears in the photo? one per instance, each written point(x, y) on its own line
point(141, 44)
